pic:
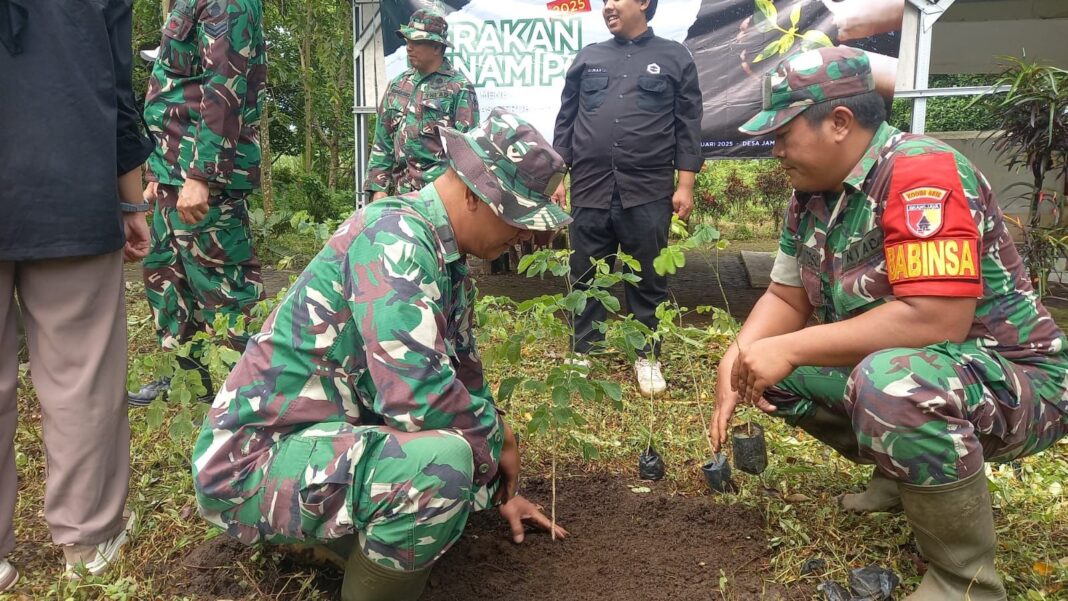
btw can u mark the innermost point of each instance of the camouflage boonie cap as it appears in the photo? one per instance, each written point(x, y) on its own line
point(509, 165)
point(425, 25)
point(809, 78)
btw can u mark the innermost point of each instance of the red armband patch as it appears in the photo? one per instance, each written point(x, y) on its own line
point(932, 242)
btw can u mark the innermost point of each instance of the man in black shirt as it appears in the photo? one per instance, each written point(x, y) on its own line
point(630, 117)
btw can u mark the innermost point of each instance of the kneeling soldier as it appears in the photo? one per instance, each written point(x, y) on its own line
point(361, 407)
point(933, 354)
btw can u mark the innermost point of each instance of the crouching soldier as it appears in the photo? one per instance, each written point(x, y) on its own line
point(933, 354)
point(361, 408)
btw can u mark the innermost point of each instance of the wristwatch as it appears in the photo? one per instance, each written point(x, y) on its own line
point(129, 207)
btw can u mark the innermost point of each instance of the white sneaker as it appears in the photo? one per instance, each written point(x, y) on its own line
point(9, 576)
point(96, 558)
point(650, 380)
point(577, 361)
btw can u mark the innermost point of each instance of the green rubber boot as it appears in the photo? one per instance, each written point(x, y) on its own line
point(881, 495)
point(365, 580)
point(954, 527)
point(331, 553)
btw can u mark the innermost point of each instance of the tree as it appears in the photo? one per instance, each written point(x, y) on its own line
point(1032, 123)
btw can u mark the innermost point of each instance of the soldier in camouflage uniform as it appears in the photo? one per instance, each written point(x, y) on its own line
point(203, 106)
point(407, 153)
point(933, 353)
point(361, 407)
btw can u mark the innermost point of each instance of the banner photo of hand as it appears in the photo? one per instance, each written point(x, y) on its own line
point(736, 42)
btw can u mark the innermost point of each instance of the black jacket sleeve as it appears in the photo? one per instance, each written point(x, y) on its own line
point(689, 108)
point(132, 145)
point(569, 105)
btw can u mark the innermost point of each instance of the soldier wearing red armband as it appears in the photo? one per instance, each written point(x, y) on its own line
point(932, 355)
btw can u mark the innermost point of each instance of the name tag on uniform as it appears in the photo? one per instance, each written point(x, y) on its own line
point(860, 251)
point(596, 70)
point(810, 258)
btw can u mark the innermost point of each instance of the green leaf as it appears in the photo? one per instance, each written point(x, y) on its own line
point(539, 422)
point(561, 396)
point(814, 38)
point(635, 340)
point(154, 416)
point(562, 415)
point(524, 263)
point(586, 390)
point(787, 42)
point(513, 350)
point(795, 15)
point(662, 265)
point(535, 386)
point(770, 50)
point(590, 452)
point(678, 227)
point(767, 9)
point(629, 261)
point(610, 302)
point(229, 356)
point(181, 427)
point(507, 387)
point(612, 389)
point(575, 302)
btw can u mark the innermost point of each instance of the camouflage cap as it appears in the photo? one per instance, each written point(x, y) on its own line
point(509, 165)
point(425, 25)
point(809, 78)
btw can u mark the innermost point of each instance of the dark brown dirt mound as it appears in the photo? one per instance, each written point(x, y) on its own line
point(623, 546)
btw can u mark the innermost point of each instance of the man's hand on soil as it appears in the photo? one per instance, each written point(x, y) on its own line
point(518, 511)
point(507, 467)
point(193, 201)
point(759, 364)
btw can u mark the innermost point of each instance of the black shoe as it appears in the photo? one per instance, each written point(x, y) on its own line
point(148, 392)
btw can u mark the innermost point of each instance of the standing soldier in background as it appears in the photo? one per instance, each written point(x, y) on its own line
point(203, 106)
point(407, 153)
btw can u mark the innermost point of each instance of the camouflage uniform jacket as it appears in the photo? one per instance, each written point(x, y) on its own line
point(917, 219)
point(407, 152)
point(205, 93)
point(377, 330)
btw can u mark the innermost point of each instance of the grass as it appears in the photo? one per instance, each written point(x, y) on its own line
point(795, 494)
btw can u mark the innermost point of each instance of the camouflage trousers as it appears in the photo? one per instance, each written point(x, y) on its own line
point(407, 495)
point(193, 273)
point(934, 415)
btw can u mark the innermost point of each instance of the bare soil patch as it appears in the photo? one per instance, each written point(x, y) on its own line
point(624, 545)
